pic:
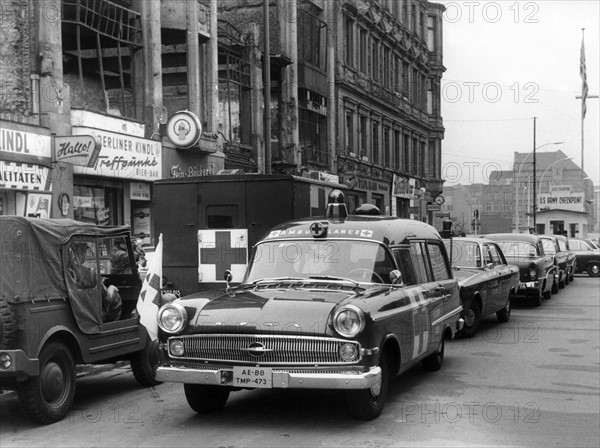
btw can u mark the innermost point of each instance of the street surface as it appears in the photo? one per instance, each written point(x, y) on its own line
point(534, 381)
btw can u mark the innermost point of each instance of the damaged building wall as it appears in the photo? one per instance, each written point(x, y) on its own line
point(15, 63)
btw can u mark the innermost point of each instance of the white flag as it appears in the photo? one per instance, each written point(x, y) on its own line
point(150, 295)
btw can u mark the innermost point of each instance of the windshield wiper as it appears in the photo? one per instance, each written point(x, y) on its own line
point(331, 277)
point(273, 280)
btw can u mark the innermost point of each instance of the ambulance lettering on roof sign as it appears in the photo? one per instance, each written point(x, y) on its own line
point(222, 250)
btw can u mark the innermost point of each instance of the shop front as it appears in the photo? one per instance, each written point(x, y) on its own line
point(118, 188)
point(25, 170)
point(403, 191)
point(372, 191)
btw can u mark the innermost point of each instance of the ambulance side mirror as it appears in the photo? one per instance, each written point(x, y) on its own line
point(396, 277)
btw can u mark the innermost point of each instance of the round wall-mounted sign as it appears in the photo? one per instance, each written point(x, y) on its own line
point(184, 129)
point(439, 199)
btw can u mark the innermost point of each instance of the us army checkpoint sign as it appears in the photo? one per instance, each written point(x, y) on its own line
point(221, 250)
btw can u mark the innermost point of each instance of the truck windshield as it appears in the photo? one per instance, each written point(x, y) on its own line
point(361, 261)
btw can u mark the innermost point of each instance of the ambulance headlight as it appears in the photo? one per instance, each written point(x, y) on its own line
point(172, 318)
point(349, 321)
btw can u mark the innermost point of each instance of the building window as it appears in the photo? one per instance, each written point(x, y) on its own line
point(312, 47)
point(432, 160)
point(415, 156)
point(349, 42)
point(99, 42)
point(375, 58)
point(98, 205)
point(431, 33)
point(350, 131)
point(397, 150)
point(363, 64)
point(363, 135)
point(488, 207)
point(386, 147)
point(235, 99)
point(387, 68)
point(415, 98)
point(406, 153)
point(375, 142)
point(405, 80)
point(313, 126)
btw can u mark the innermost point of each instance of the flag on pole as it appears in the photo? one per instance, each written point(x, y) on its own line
point(150, 296)
point(584, 85)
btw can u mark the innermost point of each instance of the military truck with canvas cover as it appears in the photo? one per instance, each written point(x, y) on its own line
point(68, 293)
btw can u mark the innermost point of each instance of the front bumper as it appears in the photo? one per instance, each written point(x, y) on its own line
point(21, 366)
point(282, 378)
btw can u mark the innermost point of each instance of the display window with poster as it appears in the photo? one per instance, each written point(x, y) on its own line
point(38, 205)
point(98, 204)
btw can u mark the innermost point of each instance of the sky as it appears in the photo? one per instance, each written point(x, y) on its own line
point(506, 63)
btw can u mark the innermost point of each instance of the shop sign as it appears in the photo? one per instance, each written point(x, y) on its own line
point(123, 156)
point(82, 150)
point(433, 207)
point(17, 145)
point(372, 185)
point(139, 191)
point(403, 187)
point(141, 224)
point(24, 176)
point(562, 201)
point(192, 171)
point(183, 129)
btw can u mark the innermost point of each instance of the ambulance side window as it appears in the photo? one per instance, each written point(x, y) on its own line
point(439, 264)
point(405, 263)
point(222, 216)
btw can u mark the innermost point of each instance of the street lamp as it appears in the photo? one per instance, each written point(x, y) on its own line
point(517, 225)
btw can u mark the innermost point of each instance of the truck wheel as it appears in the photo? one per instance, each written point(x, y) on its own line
point(8, 328)
point(367, 404)
point(504, 314)
point(143, 364)
point(205, 399)
point(593, 269)
point(434, 361)
point(47, 398)
point(472, 318)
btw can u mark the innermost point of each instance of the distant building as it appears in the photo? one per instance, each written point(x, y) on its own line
point(566, 200)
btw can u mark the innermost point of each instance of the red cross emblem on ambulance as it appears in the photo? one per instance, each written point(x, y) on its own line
point(221, 250)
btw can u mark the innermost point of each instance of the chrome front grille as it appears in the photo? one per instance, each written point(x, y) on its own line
point(264, 349)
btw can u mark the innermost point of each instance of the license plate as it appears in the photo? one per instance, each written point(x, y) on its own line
point(253, 377)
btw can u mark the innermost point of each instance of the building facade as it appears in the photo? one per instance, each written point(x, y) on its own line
point(100, 98)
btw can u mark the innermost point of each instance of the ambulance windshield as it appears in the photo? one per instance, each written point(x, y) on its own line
point(361, 261)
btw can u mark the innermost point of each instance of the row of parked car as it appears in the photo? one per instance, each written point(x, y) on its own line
point(527, 266)
point(345, 302)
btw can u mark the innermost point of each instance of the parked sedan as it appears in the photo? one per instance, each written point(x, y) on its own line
point(588, 258)
point(552, 248)
point(487, 283)
point(537, 270)
point(563, 244)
